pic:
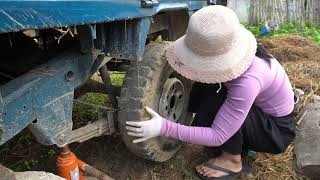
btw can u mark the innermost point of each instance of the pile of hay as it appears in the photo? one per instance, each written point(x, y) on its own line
point(274, 167)
point(301, 59)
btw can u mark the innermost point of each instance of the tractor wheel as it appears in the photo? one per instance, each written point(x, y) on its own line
point(152, 82)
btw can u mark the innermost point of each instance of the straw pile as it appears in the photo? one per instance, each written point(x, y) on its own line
point(301, 59)
point(275, 167)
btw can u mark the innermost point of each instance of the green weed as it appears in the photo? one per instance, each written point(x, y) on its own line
point(83, 113)
point(51, 153)
point(25, 138)
point(307, 30)
point(117, 78)
point(185, 170)
point(29, 164)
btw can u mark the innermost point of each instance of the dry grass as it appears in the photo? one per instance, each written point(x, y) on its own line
point(280, 166)
point(305, 76)
point(301, 59)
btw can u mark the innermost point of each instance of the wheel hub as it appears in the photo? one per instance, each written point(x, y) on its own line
point(172, 99)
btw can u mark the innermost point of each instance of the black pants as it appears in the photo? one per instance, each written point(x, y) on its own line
point(260, 132)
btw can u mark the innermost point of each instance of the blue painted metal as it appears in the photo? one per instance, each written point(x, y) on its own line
point(45, 94)
point(16, 15)
point(1, 114)
point(126, 39)
point(149, 3)
point(142, 36)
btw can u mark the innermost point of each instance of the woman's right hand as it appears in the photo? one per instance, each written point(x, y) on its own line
point(145, 130)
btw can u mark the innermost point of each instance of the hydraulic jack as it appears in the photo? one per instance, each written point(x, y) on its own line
point(72, 168)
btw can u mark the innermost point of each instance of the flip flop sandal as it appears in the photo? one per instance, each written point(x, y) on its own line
point(230, 174)
point(247, 167)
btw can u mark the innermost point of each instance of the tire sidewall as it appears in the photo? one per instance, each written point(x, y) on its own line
point(159, 148)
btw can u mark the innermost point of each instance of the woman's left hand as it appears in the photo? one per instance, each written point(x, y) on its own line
point(145, 129)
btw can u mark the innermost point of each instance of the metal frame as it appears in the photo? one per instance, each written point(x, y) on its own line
point(42, 99)
point(45, 94)
point(17, 15)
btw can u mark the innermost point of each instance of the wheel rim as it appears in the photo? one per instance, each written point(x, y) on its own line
point(172, 99)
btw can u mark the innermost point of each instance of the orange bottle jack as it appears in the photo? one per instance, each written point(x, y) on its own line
point(68, 166)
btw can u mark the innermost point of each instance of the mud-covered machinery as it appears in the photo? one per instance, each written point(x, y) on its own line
point(50, 48)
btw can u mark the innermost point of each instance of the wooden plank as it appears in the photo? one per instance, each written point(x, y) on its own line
point(284, 11)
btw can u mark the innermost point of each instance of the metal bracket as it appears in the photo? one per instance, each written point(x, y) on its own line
point(149, 3)
point(212, 2)
point(95, 129)
point(45, 94)
point(1, 112)
point(125, 39)
point(103, 126)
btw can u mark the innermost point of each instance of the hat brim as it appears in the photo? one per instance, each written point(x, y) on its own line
point(214, 69)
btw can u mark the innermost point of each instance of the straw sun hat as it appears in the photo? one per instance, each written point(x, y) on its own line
point(216, 47)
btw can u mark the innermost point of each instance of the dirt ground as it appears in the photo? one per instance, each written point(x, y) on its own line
point(114, 158)
point(109, 154)
point(300, 57)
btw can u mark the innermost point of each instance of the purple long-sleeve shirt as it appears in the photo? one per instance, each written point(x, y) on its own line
point(263, 84)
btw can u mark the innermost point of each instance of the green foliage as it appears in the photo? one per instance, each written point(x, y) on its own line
point(117, 78)
point(25, 138)
point(82, 113)
point(308, 30)
point(29, 164)
point(312, 33)
point(51, 153)
point(185, 170)
point(96, 98)
point(254, 30)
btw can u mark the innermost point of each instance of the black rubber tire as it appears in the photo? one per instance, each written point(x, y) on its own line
point(153, 72)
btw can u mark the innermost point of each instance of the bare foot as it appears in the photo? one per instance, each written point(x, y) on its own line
point(226, 160)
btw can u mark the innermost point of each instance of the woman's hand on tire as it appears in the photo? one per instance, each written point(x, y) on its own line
point(145, 130)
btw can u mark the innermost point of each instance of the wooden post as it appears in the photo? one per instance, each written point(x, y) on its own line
point(284, 11)
point(288, 11)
